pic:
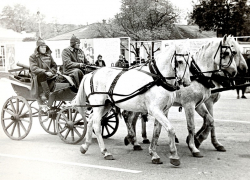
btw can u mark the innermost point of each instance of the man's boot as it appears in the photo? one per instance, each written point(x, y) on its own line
point(46, 90)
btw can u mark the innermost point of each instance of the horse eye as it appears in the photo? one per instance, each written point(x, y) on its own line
point(180, 62)
point(234, 52)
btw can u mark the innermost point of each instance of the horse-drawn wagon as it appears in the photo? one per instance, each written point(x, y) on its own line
point(61, 118)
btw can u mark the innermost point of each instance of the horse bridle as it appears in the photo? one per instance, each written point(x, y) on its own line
point(175, 67)
point(224, 53)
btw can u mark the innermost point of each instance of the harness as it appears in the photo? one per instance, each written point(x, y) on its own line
point(206, 80)
point(158, 79)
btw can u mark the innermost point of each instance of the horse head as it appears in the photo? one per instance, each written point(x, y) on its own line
point(225, 54)
point(238, 57)
point(180, 64)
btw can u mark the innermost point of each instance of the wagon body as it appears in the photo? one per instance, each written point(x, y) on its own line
point(60, 119)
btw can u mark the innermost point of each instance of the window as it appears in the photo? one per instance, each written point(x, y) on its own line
point(58, 55)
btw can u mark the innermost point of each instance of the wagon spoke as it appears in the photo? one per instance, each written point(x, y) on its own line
point(7, 118)
point(110, 126)
point(13, 129)
point(21, 109)
point(24, 113)
point(22, 126)
point(70, 114)
point(78, 121)
point(111, 116)
point(54, 124)
point(46, 119)
point(49, 124)
point(77, 132)
point(72, 135)
point(78, 126)
point(74, 117)
point(67, 133)
point(12, 105)
point(7, 127)
point(62, 123)
point(65, 118)
point(17, 106)
point(22, 119)
point(9, 111)
point(18, 129)
point(63, 130)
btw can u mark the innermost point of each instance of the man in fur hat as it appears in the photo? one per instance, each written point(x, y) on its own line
point(74, 59)
point(43, 71)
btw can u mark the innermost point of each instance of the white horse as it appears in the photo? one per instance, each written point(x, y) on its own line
point(210, 58)
point(152, 100)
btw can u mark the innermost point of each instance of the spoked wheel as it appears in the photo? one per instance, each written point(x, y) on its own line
point(16, 118)
point(48, 119)
point(71, 126)
point(110, 123)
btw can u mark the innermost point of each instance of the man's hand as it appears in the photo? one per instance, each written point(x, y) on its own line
point(49, 74)
point(82, 65)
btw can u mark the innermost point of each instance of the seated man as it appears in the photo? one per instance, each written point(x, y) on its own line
point(43, 71)
point(73, 60)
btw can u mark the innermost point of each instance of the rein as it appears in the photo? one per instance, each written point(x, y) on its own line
point(158, 79)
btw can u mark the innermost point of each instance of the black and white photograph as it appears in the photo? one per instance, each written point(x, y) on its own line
point(124, 89)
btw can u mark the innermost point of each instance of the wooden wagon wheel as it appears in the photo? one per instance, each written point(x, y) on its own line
point(110, 123)
point(16, 118)
point(70, 125)
point(48, 119)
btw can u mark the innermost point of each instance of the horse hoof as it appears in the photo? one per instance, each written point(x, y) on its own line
point(221, 149)
point(197, 154)
point(109, 157)
point(176, 140)
point(175, 162)
point(146, 141)
point(126, 142)
point(137, 148)
point(157, 161)
point(82, 150)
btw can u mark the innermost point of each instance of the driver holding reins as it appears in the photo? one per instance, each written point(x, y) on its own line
point(73, 60)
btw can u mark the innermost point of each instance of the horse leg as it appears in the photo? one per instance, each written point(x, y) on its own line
point(189, 111)
point(130, 119)
point(144, 120)
point(163, 120)
point(218, 146)
point(97, 116)
point(88, 137)
point(208, 121)
point(152, 147)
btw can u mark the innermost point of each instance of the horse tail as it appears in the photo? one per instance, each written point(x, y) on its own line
point(80, 99)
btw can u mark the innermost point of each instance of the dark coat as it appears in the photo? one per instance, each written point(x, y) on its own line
point(122, 63)
point(97, 63)
point(40, 63)
point(72, 60)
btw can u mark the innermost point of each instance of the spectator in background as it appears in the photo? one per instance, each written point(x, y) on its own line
point(73, 60)
point(99, 62)
point(240, 75)
point(122, 62)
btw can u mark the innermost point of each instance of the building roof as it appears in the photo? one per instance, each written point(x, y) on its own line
point(9, 34)
point(87, 32)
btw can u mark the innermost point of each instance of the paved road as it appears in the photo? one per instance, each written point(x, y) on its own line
point(42, 156)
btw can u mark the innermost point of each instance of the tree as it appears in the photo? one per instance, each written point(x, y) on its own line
point(142, 20)
point(16, 17)
point(222, 15)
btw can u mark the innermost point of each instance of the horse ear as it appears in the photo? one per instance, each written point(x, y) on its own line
point(224, 38)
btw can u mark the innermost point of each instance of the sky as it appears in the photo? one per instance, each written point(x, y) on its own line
point(78, 11)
